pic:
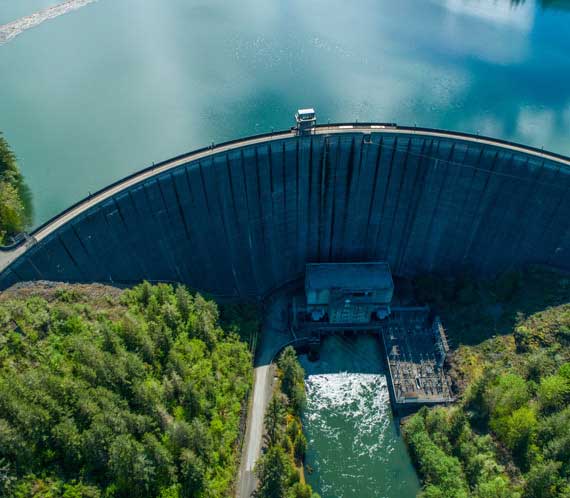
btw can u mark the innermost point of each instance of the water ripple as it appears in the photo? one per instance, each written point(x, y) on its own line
point(354, 448)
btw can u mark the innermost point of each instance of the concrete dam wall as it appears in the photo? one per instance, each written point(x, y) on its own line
point(243, 218)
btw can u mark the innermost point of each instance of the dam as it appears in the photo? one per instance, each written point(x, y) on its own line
point(241, 219)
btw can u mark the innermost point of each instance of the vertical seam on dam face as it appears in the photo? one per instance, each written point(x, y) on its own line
point(526, 205)
point(411, 216)
point(480, 208)
point(392, 242)
point(494, 213)
point(70, 256)
point(346, 198)
point(453, 199)
point(373, 194)
point(243, 221)
point(461, 218)
point(548, 227)
point(333, 197)
point(320, 225)
point(384, 200)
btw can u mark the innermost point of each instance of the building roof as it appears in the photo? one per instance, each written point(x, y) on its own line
point(355, 276)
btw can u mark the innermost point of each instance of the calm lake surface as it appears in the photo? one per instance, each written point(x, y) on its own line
point(98, 93)
point(354, 447)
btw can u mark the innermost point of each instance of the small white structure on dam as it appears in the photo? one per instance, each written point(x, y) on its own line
point(243, 218)
point(306, 120)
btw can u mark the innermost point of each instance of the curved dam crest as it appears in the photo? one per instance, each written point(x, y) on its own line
point(243, 218)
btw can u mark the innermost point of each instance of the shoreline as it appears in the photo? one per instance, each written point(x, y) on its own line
point(12, 29)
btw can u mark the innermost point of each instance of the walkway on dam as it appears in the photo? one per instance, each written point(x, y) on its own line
point(10, 254)
point(274, 335)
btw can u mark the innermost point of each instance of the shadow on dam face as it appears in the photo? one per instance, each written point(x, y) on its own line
point(243, 218)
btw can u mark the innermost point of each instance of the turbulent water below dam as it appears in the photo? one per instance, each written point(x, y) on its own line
point(354, 450)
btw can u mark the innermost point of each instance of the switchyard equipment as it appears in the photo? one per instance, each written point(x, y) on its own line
point(345, 293)
point(416, 349)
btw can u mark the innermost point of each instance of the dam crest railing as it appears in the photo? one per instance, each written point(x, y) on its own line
point(11, 252)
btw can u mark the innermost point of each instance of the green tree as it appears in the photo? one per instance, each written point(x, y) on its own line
point(272, 470)
point(15, 198)
point(543, 481)
point(518, 431)
point(292, 381)
point(192, 474)
point(300, 490)
point(553, 392)
point(132, 472)
point(497, 487)
point(274, 418)
point(507, 393)
point(300, 446)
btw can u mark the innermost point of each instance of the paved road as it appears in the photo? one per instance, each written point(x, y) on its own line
point(7, 257)
point(274, 335)
point(263, 387)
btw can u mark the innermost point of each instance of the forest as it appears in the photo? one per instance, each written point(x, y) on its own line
point(108, 393)
point(509, 435)
point(16, 204)
point(280, 468)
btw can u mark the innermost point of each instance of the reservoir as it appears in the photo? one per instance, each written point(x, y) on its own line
point(354, 450)
point(93, 95)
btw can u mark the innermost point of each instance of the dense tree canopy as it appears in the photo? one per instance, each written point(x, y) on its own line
point(15, 200)
point(137, 395)
point(280, 468)
point(510, 434)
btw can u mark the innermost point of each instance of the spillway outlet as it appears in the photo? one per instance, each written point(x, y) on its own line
point(357, 298)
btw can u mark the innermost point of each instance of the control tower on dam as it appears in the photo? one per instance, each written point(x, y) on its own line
point(243, 218)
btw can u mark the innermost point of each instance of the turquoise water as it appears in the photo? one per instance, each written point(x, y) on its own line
point(103, 91)
point(11, 10)
point(354, 450)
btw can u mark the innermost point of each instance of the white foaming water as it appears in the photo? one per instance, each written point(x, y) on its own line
point(354, 448)
point(360, 401)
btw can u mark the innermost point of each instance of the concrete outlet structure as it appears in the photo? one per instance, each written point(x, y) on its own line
point(348, 292)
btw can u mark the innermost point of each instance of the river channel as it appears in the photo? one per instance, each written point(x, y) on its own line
point(355, 449)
